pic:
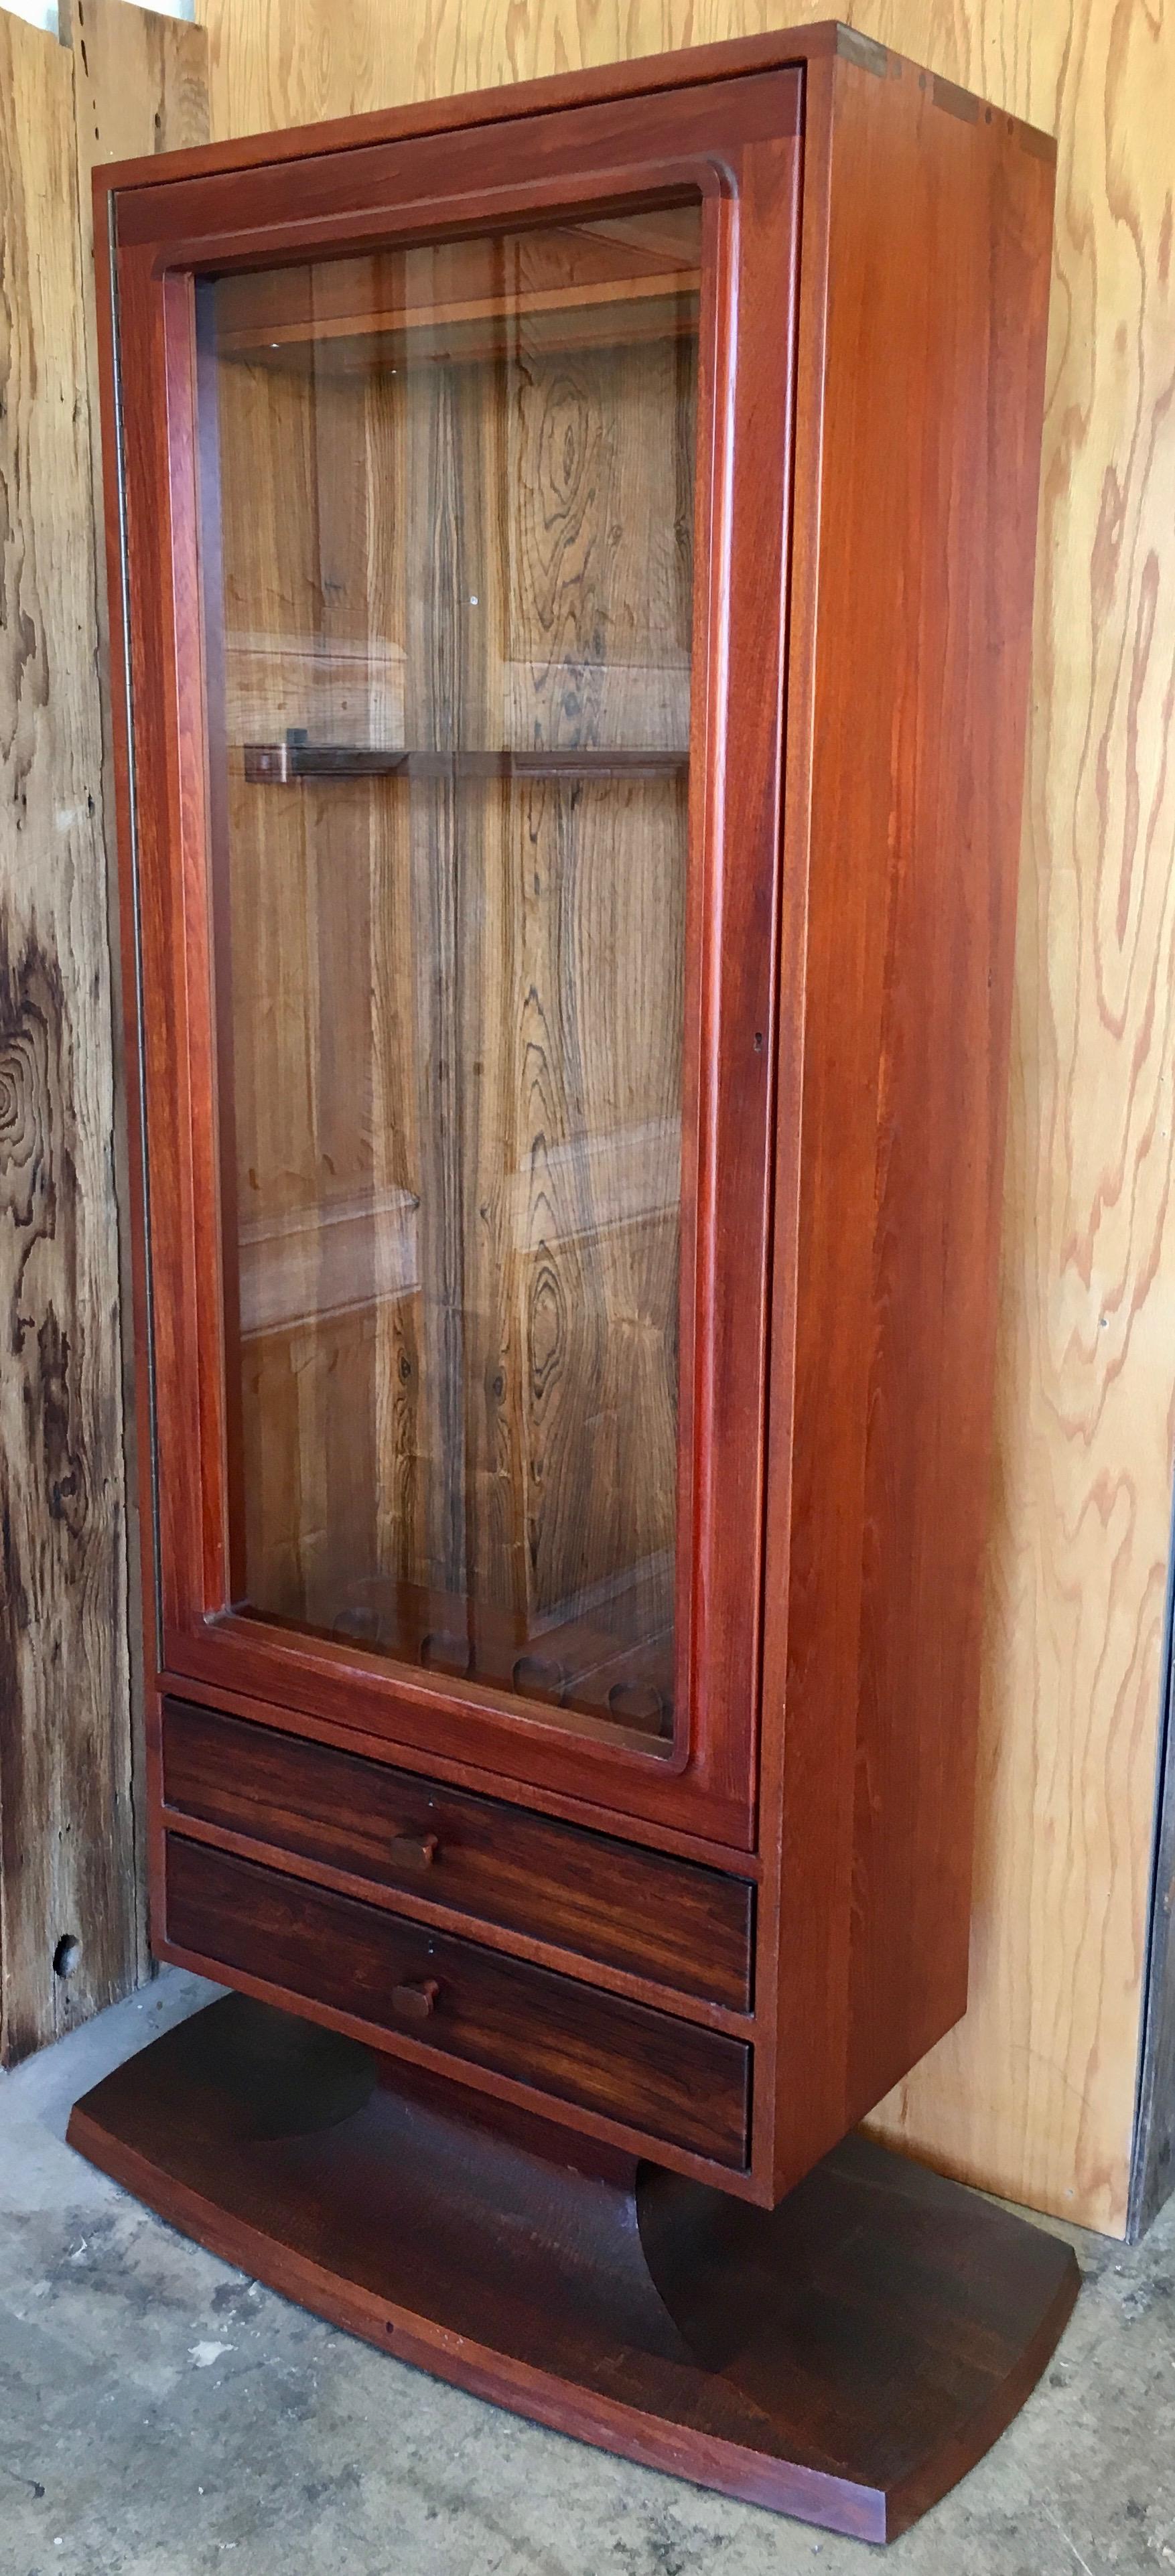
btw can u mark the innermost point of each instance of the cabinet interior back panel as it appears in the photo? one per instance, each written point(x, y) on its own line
point(458, 1307)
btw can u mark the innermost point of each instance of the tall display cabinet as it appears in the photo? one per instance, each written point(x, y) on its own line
point(571, 556)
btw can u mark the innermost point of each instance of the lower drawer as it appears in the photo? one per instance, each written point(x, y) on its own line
point(598, 2051)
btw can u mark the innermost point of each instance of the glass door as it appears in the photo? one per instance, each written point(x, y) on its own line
point(457, 504)
point(451, 628)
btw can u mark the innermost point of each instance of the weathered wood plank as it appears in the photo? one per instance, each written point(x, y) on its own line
point(68, 1844)
point(140, 85)
point(66, 1820)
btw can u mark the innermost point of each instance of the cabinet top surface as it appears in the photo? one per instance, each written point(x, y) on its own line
point(784, 47)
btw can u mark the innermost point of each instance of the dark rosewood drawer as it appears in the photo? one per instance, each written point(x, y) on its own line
point(675, 2081)
point(668, 1920)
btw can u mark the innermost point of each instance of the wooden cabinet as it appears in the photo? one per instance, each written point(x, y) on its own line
point(575, 550)
point(570, 593)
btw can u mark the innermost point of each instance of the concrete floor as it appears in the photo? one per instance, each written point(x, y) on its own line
point(160, 2416)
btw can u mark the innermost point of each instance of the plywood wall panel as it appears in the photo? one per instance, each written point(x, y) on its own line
point(1035, 2092)
point(1034, 2095)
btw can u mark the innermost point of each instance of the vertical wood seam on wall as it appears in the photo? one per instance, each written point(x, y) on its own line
point(1153, 2153)
point(140, 82)
point(140, 1966)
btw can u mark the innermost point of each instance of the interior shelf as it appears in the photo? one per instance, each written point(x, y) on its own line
point(283, 763)
point(561, 287)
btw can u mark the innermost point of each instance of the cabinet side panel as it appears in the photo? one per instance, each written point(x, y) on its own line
point(910, 692)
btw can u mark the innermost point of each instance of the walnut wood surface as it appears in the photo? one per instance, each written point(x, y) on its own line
point(845, 2359)
point(666, 1920)
point(600, 2052)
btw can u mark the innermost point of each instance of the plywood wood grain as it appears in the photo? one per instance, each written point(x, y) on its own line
point(1034, 2095)
point(1035, 2092)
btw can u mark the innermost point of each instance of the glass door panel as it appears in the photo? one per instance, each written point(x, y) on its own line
point(449, 512)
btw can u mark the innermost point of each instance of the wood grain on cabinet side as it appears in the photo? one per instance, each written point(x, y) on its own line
point(67, 1857)
point(921, 389)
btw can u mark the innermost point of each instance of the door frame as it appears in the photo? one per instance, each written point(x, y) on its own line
point(739, 145)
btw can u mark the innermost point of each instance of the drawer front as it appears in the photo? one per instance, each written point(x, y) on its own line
point(685, 1927)
point(669, 2078)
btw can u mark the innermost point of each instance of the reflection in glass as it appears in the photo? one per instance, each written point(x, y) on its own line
point(449, 660)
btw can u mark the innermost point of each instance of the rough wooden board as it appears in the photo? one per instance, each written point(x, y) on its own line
point(140, 85)
point(68, 1857)
point(1034, 2095)
point(66, 1822)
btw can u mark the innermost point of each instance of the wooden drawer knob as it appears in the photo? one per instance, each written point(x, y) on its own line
point(414, 2002)
point(414, 1851)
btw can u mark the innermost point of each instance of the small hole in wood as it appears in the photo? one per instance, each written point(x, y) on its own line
point(67, 1955)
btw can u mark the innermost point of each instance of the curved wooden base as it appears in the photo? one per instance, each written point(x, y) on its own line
point(845, 2358)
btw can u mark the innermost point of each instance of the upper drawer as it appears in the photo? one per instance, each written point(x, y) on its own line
point(683, 1926)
